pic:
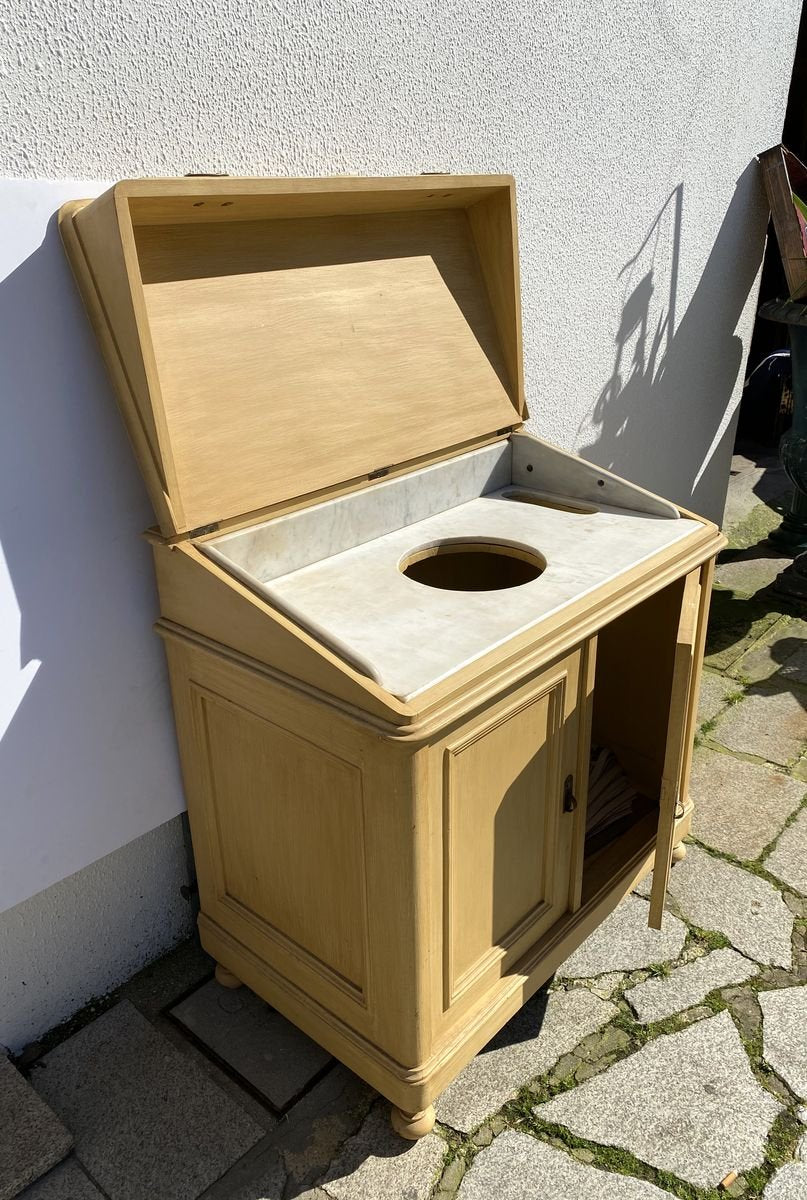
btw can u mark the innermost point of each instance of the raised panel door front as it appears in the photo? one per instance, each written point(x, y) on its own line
point(285, 819)
point(507, 840)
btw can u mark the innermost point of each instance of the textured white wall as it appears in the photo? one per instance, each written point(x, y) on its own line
point(631, 129)
point(601, 112)
point(87, 753)
point(90, 932)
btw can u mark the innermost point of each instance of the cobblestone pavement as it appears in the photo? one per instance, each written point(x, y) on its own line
point(669, 1064)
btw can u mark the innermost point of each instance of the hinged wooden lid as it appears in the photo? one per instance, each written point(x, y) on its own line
point(274, 337)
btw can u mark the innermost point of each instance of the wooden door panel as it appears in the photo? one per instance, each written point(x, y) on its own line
point(680, 700)
point(506, 873)
point(285, 819)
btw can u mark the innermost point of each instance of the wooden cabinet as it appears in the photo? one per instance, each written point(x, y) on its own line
point(397, 625)
point(398, 893)
point(508, 779)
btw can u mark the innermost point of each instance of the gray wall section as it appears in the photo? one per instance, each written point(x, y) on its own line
point(85, 935)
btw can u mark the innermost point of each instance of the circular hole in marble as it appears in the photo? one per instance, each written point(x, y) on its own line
point(466, 566)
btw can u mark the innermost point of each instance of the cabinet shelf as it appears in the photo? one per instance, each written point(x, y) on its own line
point(622, 855)
point(633, 695)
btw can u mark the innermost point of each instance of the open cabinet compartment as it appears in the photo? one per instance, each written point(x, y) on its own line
point(636, 696)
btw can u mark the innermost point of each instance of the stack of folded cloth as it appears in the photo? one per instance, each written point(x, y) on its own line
point(611, 795)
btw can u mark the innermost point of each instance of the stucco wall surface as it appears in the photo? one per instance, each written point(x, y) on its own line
point(90, 932)
point(630, 128)
point(87, 752)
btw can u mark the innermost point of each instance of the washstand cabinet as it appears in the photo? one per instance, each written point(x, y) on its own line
point(400, 629)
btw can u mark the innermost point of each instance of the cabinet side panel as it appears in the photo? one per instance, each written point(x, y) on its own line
point(289, 825)
point(196, 594)
point(277, 805)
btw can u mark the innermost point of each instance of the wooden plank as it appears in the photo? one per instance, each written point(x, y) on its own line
point(706, 580)
point(680, 699)
point(493, 224)
point(197, 595)
point(275, 338)
point(778, 168)
point(106, 297)
point(199, 200)
point(506, 838)
point(585, 700)
point(295, 355)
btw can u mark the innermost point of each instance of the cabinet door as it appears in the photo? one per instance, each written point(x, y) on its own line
point(508, 779)
point(682, 699)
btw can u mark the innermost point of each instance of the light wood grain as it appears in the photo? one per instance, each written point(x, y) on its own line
point(197, 595)
point(506, 838)
point(707, 574)
point(304, 336)
point(782, 174)
point(681, 698)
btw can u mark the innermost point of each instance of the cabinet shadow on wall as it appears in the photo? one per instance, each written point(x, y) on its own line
point(87, 756)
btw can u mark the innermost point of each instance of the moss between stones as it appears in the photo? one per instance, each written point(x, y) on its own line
point(615, 1160)
point(621, 1038)
point(790, 820)
point(735, 625)
point(753, 528)
point(750, 866)
point(519, 1115)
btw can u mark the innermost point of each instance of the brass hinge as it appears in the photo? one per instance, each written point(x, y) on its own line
point(203, 529)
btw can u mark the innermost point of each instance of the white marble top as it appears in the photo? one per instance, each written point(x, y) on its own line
point(409, 636)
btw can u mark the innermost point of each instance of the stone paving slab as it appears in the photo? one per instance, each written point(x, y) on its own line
point(65, 1182)
point(782, 651)
point(547, 1027)
point(146, 1119)
point(749, 911)
point(740, 806)
point(686, 1102)
point(518, 1167)
point(32, 1138)
point(769, 724)
point(713, 694)
point(784, 1035)
point(259, 1175)
point(302, 1145)
point(656, 999)
point(157, 986)
point(253, 1039)
point(624, 942)
point(730, 635)
point(789, 1183)
point(758, 478)
point(751, 570)
point(788, 859)
point(376, 1164)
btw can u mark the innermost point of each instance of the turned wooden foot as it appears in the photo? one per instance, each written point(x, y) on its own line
point(679, 852)
point(226, 978)
point(412, 1125)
